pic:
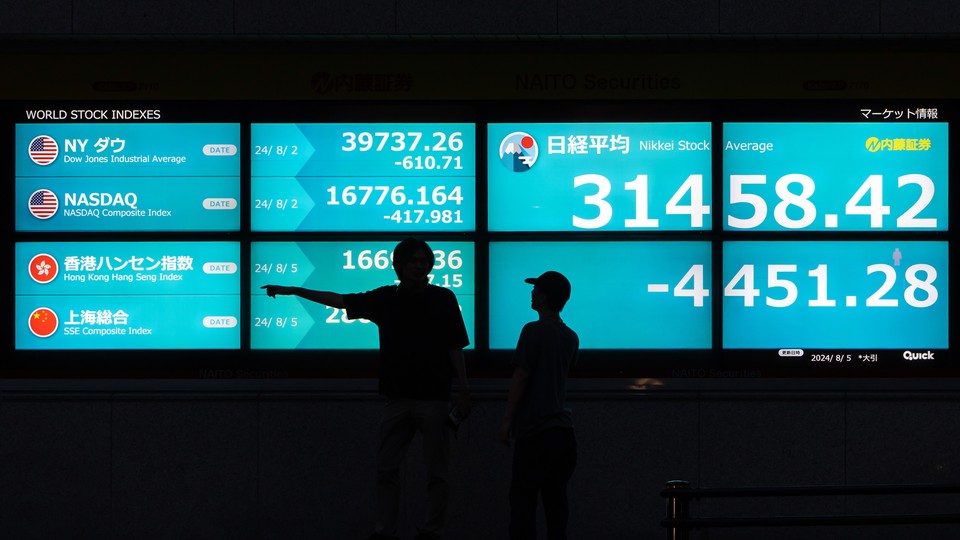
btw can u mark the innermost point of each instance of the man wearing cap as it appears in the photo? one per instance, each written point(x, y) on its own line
point(536, 417)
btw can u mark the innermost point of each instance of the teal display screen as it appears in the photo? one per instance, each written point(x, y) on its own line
point(290, 322)
point(599, 177)
point(363, 177)
point(127, 295)
point(836, 176)
point(694, 237)
point(127, 177)
point(859, 298)
point(624, 295)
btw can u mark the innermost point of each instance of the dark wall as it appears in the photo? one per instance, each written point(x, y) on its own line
point(534, 17)
point(286, 465)
point(145, 459)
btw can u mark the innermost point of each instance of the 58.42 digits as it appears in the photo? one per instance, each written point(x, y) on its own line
point(796, 210)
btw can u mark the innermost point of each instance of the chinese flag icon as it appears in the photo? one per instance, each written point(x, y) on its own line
point(43, 322)
point(43, 268)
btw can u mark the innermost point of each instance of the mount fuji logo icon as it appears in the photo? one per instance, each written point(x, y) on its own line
point(518, 151)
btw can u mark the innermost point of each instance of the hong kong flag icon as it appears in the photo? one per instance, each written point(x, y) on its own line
point(43, 322)
point(43, 268)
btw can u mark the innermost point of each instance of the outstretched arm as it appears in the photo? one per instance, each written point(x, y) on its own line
point(326, 298)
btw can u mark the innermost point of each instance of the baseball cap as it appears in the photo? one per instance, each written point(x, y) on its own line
point(554, 284)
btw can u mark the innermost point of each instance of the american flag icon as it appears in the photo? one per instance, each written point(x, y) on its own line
point(43, 204)
point(43, 150)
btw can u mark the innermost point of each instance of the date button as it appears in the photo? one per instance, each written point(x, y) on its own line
point(219, 150)
point(221, 321)
point(220, 204)
point(219, 268)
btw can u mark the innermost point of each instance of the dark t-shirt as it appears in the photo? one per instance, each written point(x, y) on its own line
point(417, 331)
point(546, 350)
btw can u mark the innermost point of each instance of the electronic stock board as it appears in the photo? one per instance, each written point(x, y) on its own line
point(723, 242)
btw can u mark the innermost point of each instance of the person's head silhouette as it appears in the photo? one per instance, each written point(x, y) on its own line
point(412, 260)
point(554, 288)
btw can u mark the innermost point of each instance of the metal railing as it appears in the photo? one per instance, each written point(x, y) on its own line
point(679, 494)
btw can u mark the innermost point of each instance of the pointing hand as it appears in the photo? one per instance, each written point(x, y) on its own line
point(274, 290)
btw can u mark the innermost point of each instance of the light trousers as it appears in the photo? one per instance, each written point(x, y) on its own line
point(401, 420)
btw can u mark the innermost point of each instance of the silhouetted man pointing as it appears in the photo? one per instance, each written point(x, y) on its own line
point(422, 336)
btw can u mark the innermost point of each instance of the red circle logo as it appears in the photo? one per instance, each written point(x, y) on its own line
point(43, 322)
point(43, 268)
